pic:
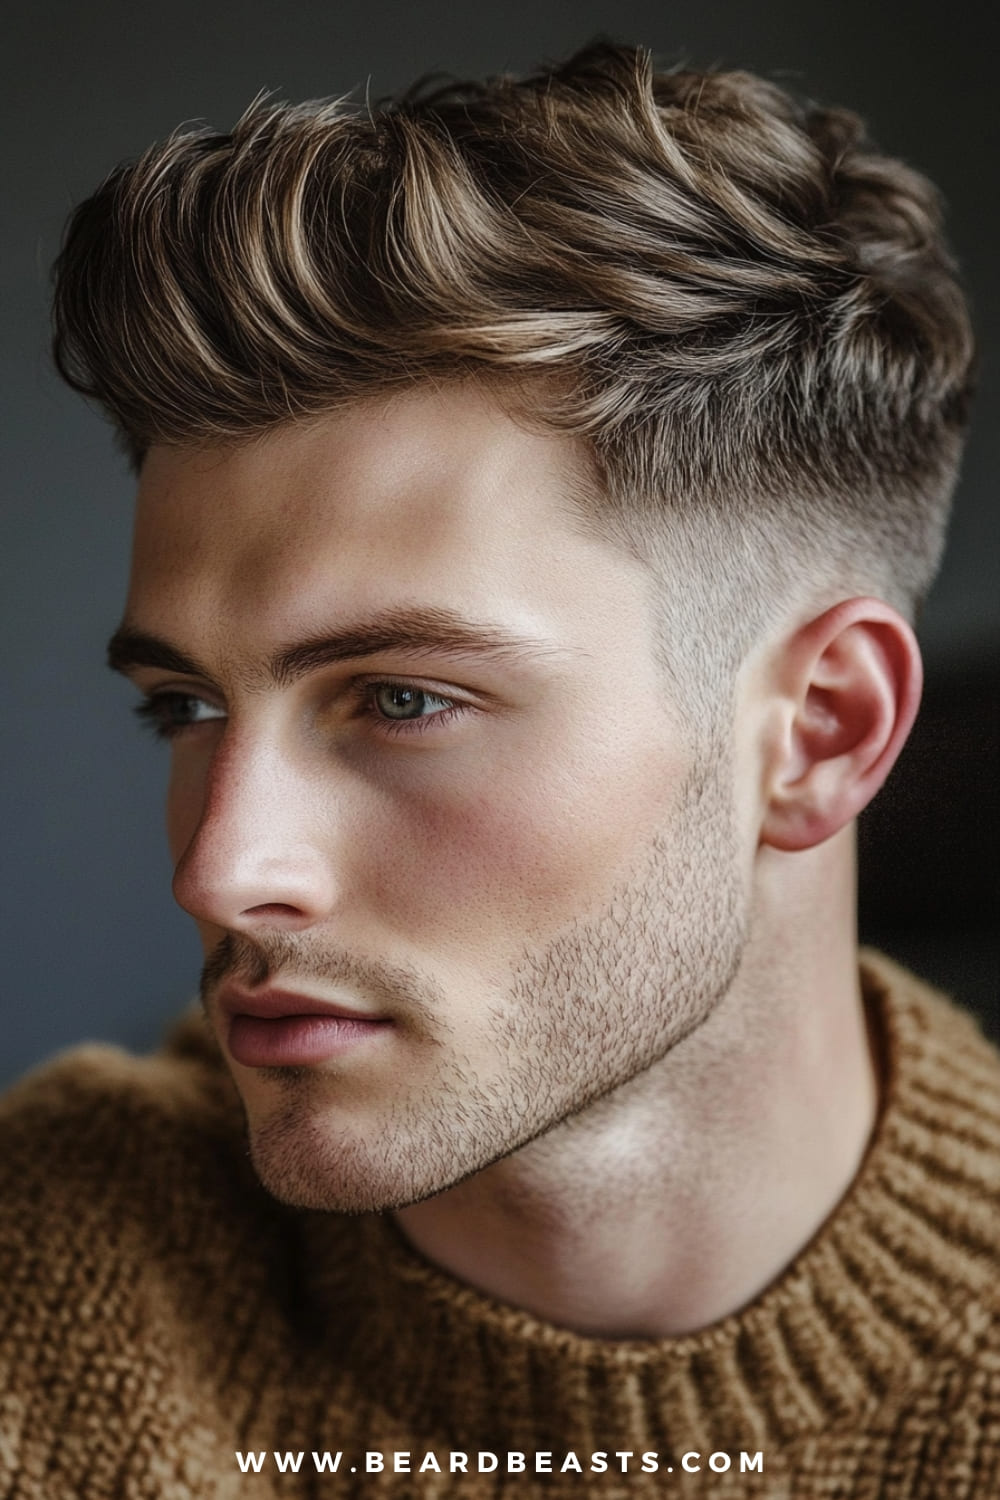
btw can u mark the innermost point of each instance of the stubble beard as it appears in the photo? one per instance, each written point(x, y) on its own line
point(581, 1018)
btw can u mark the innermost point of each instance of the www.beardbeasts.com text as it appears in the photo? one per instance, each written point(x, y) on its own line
point(375, 1461)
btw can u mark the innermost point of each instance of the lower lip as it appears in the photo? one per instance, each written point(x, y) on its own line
point(290, 1041)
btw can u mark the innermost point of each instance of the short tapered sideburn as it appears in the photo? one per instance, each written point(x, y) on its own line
point(746, 313)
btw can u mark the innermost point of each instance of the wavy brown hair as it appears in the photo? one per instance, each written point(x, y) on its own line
point(746, 312)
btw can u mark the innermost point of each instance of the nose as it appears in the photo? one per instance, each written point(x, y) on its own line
point(248, 833)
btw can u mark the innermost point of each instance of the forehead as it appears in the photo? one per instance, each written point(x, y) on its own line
point(434, 498)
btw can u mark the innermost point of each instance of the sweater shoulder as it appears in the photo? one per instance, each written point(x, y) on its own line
point(99, 1112)
point(141, 1263)
point(932, 1191)
point(107, 1157)
point(943, 1068)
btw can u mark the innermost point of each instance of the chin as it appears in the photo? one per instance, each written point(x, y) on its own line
point(300, 1168)
point(305, 1162)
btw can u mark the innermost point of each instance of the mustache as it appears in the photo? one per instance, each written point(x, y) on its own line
point(398, 989)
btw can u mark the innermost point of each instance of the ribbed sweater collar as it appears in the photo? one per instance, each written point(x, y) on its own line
point(895, 1278)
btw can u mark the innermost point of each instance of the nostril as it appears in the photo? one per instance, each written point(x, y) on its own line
point(273, 909)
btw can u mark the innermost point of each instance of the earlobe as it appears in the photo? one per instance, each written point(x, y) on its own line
point(849, 686)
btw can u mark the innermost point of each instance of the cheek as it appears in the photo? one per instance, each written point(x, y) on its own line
point(518, 863)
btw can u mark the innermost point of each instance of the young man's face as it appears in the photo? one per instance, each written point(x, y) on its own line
point(425, 776)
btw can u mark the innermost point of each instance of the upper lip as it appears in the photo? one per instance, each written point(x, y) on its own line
point(269, 1004)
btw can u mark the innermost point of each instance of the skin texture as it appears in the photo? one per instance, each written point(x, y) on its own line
point(627, 1073)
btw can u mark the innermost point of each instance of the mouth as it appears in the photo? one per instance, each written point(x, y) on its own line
point(280, 1029)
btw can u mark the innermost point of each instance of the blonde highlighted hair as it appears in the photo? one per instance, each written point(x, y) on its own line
point(747, 313)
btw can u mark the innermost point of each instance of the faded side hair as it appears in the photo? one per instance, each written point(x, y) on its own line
point(748, 314)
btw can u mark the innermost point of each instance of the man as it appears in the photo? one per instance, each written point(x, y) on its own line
point(537, 485)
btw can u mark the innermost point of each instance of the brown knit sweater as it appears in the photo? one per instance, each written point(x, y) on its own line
point(161, 1315)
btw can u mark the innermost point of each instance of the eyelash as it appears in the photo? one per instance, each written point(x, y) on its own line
point(154, 709)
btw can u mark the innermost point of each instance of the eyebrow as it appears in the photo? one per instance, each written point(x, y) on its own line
point(403, 632)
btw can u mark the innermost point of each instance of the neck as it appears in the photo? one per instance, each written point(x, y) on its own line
point(675, 1200)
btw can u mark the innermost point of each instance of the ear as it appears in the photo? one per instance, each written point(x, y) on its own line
point(848, 689)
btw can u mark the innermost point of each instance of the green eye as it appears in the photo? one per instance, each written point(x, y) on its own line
point(394, 701)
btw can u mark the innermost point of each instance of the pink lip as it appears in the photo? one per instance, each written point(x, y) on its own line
point(278, 1029)
point(271, 1005)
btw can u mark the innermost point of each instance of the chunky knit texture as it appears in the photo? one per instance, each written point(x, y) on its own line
point(160, 1314)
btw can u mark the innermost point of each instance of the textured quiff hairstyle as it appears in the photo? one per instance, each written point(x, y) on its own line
point(747, 313)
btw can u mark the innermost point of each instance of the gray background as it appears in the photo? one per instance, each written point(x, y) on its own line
point(92, 946)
